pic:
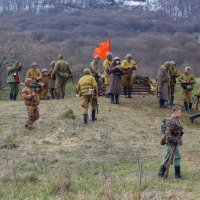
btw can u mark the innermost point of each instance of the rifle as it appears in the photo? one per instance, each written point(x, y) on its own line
point(169, 162)
point(197, 103)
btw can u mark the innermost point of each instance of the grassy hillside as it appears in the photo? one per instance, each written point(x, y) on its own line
point(64, 159)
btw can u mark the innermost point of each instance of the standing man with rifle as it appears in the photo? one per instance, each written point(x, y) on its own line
point(173, 139)
point(187, 81)
point(128, 66)
point(88, 91)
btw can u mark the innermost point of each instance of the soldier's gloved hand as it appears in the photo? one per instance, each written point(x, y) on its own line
point(173, 141)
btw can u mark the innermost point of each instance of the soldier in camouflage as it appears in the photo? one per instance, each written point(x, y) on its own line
point(173, 133)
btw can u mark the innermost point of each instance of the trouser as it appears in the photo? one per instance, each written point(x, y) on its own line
point(86, 100)
point(127, 83)
point(172, 94)
point(45, 94)
point(187, 96)
point(99, 84)
point(33, 114)
point(52, 92)
point(176, 158)
point(60, 86)
point(14, 90)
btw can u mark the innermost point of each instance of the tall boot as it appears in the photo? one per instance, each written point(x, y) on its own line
point(178, 172)
point(93, 115)
point(14, 97)
point(186, 106)
point(125, 91)
point(116, 99)
point(190, 106)
point(129, 92)
point(11, 97)
point(193, 117)
point(57, 95)
point(162, 103)
point(85, 118)
point(162, 171)
point(52, 93)
point(112, 98)
point(172, 100)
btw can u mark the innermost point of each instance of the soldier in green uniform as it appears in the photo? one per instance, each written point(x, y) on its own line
point(174, 74)
point(34, 73)
point(173, 137)
point(45, 95)
point(63, 73)
point(87, 90)
point(94, 71)
point(187, 81)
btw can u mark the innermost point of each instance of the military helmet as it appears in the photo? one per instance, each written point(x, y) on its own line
point(129, 56)
point(44, 70)
point(172, 63)
point(52, 63)
point(109, 55)
point(167, 64)
point(86, 71)
point(116, 58)
point(97, 57)
point(34, 64)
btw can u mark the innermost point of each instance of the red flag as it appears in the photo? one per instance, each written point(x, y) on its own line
point(103, 49)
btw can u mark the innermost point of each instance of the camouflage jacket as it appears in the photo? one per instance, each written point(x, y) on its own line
point(174, 130)
point(29, 99)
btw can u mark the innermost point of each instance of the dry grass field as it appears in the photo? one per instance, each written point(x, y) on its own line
point(64, 159)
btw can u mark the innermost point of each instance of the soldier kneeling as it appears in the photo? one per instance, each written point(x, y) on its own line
point(88, 90)
point(30, 94)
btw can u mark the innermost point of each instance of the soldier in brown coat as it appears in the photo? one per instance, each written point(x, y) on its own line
point(32, 101)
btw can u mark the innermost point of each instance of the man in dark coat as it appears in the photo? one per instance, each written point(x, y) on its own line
point(116, 84)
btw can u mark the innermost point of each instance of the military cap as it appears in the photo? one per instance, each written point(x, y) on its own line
point(34, 64)
point(187, 68)
point(116, 58)
point(86, 71)
point(172, 63)
point(97, 57)
point(44, 70)
point(109, 54)
point(129, 56)
point(60, 56)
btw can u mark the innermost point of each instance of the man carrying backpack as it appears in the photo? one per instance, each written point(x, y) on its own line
point(173, 131)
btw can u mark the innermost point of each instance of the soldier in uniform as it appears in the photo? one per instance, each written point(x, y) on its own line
point(52, 80)
point(45, 95)
point(88, 91)
point(196, 115)
point(32, 101)
point(13, 81)
point(128, 66)
point(174, 74)
point(187, 80)
point(94, 71)
point(173, 137)
point(63, 73)
point(34, 72)
point(163, 85)
point(106, 66)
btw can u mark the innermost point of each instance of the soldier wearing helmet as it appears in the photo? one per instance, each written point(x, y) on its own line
point(106, 66)
point(128, 66)
point(94, 71)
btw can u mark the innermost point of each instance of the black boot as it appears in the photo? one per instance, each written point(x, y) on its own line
point(52, 93)
point(125, 91)
point(186, 106)
point(14, 97)
point(112, 98)
point(162, 171)
point(178, 172)
point(57, 95)
point(129, 92)
point(116, 99)
point(162, 104)
point(192, 117)
point(11, 97)
point(190, 106)
point(85, 118)
point(172, 100)
point(93, 115)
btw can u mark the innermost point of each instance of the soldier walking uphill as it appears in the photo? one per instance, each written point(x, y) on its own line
point(173, 73)
point(163, 85)
point(32, 100)
point(34, 73)
point(94, 71)
point(173, 133)
point(88, 90)
point(106, 66)
point(13, 81)
point(63, 73)
point(116, 84)
point(187, 81)
point(128, 66)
